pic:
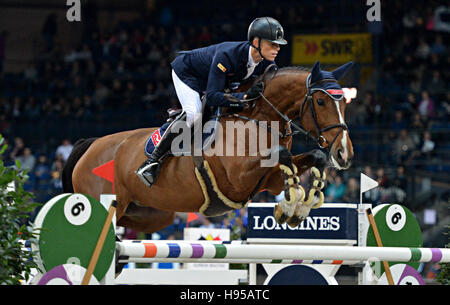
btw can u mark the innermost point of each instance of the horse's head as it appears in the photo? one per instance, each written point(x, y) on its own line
point(318, 100)
point(325, 102)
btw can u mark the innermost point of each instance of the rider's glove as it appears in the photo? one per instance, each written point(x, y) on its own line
point(254, 91)
point(234, 102)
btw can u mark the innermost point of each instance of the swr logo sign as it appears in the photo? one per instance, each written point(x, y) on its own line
point(329, 47)
point(332, 49)
point(311, 47)
point(338, 47)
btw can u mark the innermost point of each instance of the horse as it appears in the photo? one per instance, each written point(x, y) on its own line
point(289, 93)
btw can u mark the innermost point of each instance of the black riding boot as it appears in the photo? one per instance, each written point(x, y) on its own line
point(149, 170)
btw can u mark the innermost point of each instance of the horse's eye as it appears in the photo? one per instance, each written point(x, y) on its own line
point(321, 102)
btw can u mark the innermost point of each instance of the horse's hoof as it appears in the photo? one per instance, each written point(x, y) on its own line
point(286, 170)
point(311, 197)
point(315, 172)
point(318, 178)
point(279, 215)
point(294, 221)
point(320, 202)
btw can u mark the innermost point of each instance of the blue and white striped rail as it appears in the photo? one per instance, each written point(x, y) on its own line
point(238, 252)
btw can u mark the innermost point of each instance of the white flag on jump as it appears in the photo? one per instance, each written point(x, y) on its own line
point(367, 183)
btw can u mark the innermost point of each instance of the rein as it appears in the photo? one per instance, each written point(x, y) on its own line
point(320, 140)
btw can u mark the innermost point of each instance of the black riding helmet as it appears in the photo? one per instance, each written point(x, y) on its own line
point(265, 28)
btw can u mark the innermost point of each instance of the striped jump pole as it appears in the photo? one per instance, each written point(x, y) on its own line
point(173, 259)
point(235, 261)
point(212, 251)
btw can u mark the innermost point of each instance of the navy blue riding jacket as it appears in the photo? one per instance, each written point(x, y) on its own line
point(212, 69)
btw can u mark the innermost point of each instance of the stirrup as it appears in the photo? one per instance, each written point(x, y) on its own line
point(148, 173)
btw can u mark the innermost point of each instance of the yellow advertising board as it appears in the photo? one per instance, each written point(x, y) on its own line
point(332, 48)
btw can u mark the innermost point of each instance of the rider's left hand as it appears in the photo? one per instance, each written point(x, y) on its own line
point(235, 103)
point(254, 91)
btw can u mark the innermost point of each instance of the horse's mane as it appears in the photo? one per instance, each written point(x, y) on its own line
point(295, 68)
point(272, 73)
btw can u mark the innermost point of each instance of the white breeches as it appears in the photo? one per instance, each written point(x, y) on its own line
point(189, 99)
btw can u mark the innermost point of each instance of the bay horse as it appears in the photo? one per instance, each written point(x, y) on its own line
point(289, 93)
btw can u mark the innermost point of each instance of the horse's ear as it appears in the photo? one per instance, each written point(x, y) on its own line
point(315, 72)
point(342, 70)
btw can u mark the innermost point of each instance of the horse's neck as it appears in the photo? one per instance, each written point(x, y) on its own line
point(286, 93)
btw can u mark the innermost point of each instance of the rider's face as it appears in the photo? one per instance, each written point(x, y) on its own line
point(269, 49)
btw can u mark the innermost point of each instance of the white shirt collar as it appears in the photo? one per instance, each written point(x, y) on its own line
point(251, 65)
point(250, 62)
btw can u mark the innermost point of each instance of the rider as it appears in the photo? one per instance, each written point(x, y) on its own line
point(209, 70)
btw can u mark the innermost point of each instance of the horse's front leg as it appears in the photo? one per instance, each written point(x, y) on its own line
point(293, 191)
point(314, 158)
point(316, 161)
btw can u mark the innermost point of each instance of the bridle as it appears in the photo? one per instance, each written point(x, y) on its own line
point(309, 99)
point(287, 132)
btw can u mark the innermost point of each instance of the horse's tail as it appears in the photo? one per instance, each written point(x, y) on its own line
point(79, 148)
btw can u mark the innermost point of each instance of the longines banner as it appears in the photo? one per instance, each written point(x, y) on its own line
point(332, 49)
point(338, 222)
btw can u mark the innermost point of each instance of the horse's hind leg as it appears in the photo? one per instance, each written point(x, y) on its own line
point(145, 219)
point(137, 217)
